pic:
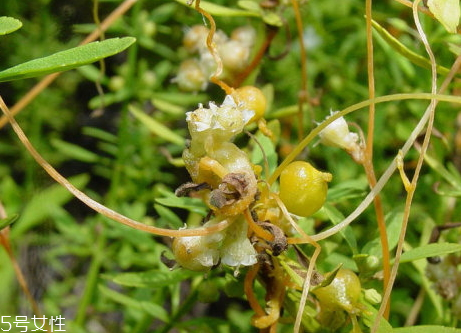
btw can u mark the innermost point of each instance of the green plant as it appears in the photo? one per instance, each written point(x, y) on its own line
point(250, 234)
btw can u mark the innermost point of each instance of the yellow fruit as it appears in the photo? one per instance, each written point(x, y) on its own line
point(303, 189)
point(342, 293)
point(193, 253)
point(251, 98)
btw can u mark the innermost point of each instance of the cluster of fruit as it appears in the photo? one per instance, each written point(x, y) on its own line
point(223, 175)
point(234, 51)
point(231, 186)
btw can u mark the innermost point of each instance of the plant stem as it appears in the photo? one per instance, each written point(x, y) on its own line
point(92, 278)
point(185, 307)
point(368, 163)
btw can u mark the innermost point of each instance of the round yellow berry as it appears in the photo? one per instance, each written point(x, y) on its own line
point(303, 189)
point(342, 293)
point(251, 98)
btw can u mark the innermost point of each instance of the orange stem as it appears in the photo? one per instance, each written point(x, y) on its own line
point(260, 232)
point(5, 242)
point(212, 48)
point(258, 57)
point(248, 288)
point(368, 164)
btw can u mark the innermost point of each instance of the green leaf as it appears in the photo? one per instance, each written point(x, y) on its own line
point(156, 127)
point(179, 98)
point(405, 51)
point(369, 317)
point(9, 24)
point(272, 19)
point(447, 12)
point(7, 221)
point(68, 59)
point(430, 250)
point(168, 107)
point(218, 10)
point(172, 219)
point(266, 146)
point(249, 5)
point(329, 277)
point(394, 224)
point(42, 204)
point(336, 216)
point(153, 309)
point(427, 329)
point(191, 204)
point(152, 279)
point(74, 151)
point(348, 189)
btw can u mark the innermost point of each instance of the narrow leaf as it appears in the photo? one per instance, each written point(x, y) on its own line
point(427, 329)
point(42, 204)
point(191, 204)
point(68, 59)
point(336, 216)
point(9, 24)
point(218, 10)
point(7, 221)
point(447, 12)
point(153, 309)
point(155, 127)
point(152, 279)
point(429, 250)
point(405, 51)
point(166, 213)
point(74, 151)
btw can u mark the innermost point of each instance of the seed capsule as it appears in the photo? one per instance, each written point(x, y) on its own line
point(194, 253)
point(342, 293)
point(303, 189)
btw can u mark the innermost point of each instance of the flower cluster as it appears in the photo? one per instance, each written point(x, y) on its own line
point(234, 51)
point(259, 222)
point(231, 186)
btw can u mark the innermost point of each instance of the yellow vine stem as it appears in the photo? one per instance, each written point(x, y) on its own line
point(248, 288)
point(303, 94)
point(47, 80)
point(368, 161)
point(212, 48)
point(96, 206)
point(422, 9)
point(412, 188)
point(256, 229)
point(270, 34)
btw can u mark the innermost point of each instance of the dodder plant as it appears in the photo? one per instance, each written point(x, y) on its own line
point(258, 217)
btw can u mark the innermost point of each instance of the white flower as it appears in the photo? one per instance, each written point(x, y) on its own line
point(337, 134)
point(236, 249)
point(224, 121)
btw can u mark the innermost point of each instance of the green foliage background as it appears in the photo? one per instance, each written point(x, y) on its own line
point(104, 277)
